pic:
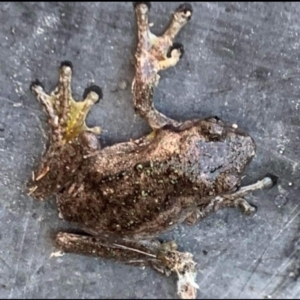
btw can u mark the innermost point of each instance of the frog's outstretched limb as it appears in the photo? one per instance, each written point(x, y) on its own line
point(154, 54)
point(234, 199)
point(162, 257)
point(67, 125)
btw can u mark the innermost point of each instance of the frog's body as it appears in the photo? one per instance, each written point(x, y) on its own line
point(127, 194)
point(146, 188)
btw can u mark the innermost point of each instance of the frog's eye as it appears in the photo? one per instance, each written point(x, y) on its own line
point(214, 119)
point(213, 128)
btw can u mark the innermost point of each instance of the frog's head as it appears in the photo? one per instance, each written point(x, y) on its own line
point(228, 142)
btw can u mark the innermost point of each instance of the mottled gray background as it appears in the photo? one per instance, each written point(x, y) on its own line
point(241, 63)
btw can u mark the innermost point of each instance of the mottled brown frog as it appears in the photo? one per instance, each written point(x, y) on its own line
point(124, 196)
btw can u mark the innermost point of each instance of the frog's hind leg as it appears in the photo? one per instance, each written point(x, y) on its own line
point(154, 54)
point(232, 200)
point(67, 123)
point(162, 257)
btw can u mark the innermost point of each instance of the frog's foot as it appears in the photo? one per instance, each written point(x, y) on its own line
point(69, 132)
point(162, 49)
point(181, 263)
point(232, 200)
point(66, 116)
point(154, 54)
point(162, 257)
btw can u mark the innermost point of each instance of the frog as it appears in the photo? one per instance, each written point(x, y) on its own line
point(122, 197)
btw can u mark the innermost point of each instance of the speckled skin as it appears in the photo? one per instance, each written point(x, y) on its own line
point(125, 195)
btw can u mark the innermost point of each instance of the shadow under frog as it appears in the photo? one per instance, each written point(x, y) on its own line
point(125, 195)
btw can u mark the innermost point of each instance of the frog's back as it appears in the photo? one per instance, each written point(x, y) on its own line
point(144, 191)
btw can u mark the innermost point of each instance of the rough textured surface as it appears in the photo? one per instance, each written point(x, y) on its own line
point(240, 63)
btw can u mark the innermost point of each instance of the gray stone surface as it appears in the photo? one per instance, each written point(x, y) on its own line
point(241, 63)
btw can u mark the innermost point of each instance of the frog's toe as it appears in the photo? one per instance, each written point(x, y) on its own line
point(244, 206)
point(137, 3)
point(186, 10)
point(270, 180)
point(66, 63)
point(93, 89)
point(176, 50)
point(173, 56)
point(34, 85)
point(250, 209)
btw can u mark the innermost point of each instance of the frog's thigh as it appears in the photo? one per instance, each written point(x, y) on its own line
point(162, 257)
point(135, 252)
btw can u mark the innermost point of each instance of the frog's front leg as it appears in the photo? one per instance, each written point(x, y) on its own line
point(69, 139)
point(154, 54)
point(162, 257)
point(231, 200)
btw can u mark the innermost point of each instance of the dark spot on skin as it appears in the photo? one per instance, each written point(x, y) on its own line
point(135, 4)
point(227, 9)
point(61, 191)
point(93, 88)
point(204, 252)
point(66, 63)
point(176, 46)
